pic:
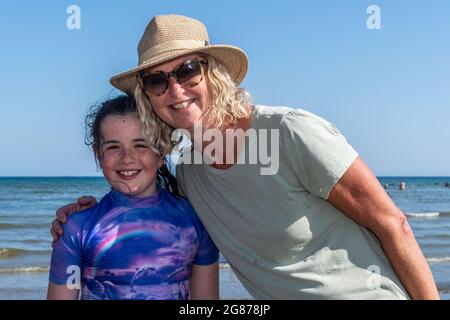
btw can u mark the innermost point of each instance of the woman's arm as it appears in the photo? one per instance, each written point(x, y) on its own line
point(61, 292)
point(205, 282)
point(359, 195)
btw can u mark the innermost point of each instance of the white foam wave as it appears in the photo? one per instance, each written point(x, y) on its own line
point(6, 253)
point(438, 259)
point(24, 270)
point(423, 214)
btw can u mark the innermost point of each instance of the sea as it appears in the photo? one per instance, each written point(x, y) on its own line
point(28, 206)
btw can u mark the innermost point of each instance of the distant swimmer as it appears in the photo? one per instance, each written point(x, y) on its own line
point(402, 186)
point(447, 185)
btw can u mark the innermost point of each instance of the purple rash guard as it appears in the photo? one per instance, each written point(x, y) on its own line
point(133, 248)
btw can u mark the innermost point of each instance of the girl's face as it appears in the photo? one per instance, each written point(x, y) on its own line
point(180, 106)
point(127, 161)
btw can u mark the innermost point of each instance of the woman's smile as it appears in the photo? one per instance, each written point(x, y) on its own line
point(182, 105)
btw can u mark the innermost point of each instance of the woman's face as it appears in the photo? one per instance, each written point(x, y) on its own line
point(128, 162)
point(180, 107)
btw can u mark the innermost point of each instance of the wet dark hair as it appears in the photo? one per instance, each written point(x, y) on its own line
point(121, 106)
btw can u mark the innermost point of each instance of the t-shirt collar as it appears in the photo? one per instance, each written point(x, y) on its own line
point(136, 202)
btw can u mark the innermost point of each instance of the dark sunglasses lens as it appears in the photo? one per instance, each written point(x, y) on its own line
point(189, 73)
point(155, 83)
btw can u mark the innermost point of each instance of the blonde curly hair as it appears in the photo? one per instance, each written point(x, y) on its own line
point(228, 104)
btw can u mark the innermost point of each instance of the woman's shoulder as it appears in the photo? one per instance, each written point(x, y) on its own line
point(290, 120)
point(275, 116)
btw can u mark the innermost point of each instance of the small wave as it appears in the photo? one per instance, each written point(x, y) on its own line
point(6, 226)
point(25, 270)
point(27, 215)
point(36, 241)
point(424, 215)
point(6, 253)
point(47, 191)
point(438, 259)
point(444, 288)
point(435, 237)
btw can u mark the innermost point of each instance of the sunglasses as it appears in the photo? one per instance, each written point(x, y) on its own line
point(188, 74)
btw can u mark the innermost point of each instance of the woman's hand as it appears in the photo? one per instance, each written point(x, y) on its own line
point(63, 212)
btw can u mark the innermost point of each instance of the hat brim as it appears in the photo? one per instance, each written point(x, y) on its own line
point(233, 59)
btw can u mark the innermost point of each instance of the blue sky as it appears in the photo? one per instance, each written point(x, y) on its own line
point(387, 90)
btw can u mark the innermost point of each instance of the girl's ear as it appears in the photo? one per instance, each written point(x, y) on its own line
point(161, 162)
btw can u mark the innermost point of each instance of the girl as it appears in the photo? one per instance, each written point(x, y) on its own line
point(140, 241)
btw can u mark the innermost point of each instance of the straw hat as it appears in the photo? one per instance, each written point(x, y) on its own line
point(168, 37)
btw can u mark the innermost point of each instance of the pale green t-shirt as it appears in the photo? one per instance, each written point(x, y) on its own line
point(279, 234)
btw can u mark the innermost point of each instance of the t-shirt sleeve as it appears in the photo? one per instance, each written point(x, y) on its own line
point(66, 255)
point(207, 252)
point(318, 153)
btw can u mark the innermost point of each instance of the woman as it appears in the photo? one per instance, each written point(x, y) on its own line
point(319, 227)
